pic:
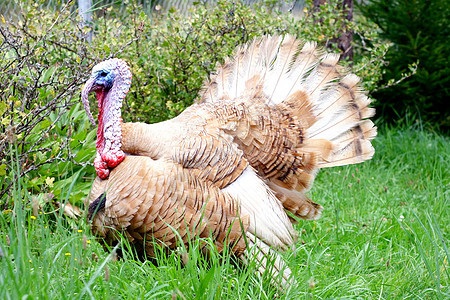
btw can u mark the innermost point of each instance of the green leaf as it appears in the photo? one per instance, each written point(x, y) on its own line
point(2, 170)
point(47, 74)
point(5, 121)
point(45, 124)
point(3, 108)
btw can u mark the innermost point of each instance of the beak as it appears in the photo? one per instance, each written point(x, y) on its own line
point(88, 87)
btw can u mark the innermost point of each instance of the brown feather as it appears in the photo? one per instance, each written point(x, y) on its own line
point(216, 211)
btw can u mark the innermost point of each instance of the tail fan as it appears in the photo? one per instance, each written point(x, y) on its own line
point(324, 113)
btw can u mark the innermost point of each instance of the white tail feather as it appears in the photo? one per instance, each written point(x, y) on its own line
point(267, 260)
point(268, 221)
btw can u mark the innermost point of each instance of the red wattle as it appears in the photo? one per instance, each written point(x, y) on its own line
point(113, 159)
point(101, 168)
point(100, 138)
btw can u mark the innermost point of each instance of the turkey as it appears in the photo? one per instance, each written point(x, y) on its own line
point(234, 166)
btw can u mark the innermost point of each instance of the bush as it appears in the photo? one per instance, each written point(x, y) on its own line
point(419, 31)
point(43, 63)
point(178, 51)
point(46, 138)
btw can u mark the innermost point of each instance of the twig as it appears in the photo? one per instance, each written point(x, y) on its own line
point(405, 76)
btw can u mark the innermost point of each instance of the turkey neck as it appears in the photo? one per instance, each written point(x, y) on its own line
point(109, 133)
point(151, 140)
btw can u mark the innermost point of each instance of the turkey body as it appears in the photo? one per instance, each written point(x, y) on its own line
point(144, 196)
point(232, 164)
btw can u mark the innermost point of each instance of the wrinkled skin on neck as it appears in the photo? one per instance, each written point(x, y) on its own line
point(109, 97)
point(109, 135)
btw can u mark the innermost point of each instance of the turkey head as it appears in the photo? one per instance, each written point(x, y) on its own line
point(111, 80)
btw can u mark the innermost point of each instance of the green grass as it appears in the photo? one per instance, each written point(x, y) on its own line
point(383, 235)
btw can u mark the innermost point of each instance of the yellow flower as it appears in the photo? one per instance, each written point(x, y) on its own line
point(33, 218)
point(49, 181)
point(88, 242)
point(79, 230)
point(68, 254)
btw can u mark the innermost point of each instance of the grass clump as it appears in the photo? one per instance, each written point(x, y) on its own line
point(383, 235)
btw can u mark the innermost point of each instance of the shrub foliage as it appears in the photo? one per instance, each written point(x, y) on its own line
point(44, 61)
point(419, 31)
